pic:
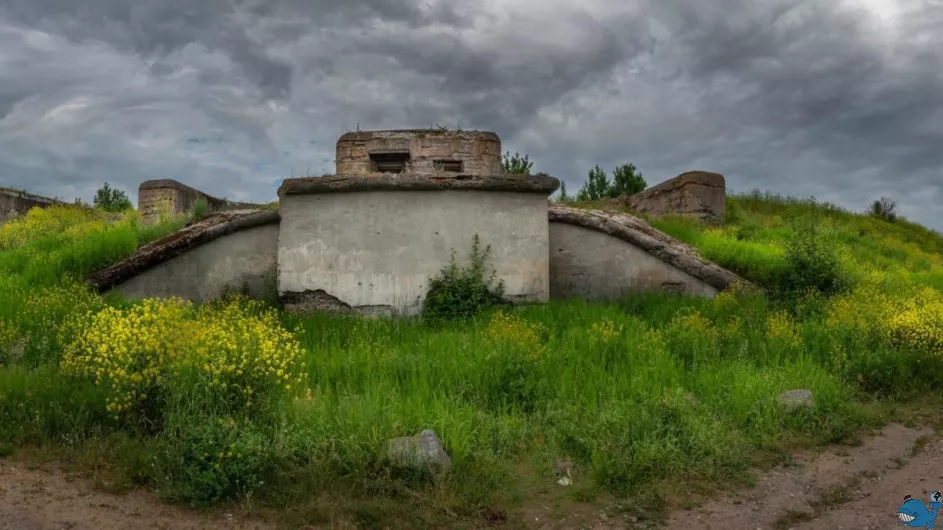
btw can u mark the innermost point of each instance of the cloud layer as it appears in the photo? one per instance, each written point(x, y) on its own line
point(838, 99)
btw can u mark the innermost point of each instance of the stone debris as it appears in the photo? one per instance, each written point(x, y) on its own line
point(425, 450)
point(796, 399)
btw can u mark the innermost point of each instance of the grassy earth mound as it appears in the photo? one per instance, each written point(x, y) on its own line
point(642, 397)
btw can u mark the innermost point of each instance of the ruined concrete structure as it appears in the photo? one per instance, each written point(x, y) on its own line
point(699, 194)
point(371, 237)
point(368, 239)
point(14, 203)
point(173, 198)
point(419, 152)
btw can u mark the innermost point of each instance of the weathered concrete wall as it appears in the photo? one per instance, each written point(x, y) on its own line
point(230, 250)
point(479, 152)
point(376, 250)
point(240, 261)
point(597, 266)
point(696, 193)
point(14, 203)
point(603, 255)
point(155, 196)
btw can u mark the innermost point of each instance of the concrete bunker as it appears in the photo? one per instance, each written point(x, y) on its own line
point(368, 239)
point(369, 242)
point(418, 151)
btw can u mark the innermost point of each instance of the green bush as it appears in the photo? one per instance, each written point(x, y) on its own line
point(199, 209)
point(206, 460)
point(462, 292)
point(812, 261)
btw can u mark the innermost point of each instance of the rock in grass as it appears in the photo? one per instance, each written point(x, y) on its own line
point(423, 451)
point(796, 399)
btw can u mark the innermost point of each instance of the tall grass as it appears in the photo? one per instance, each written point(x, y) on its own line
point(650, 389)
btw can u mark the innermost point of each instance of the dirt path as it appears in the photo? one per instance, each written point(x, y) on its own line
point(47, 499)
point(856, 488)
point(842, 488)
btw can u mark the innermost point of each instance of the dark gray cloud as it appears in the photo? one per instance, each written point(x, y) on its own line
point(833, 98)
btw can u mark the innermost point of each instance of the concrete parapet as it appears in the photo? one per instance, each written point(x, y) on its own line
point(172, 197)
point(697, 193)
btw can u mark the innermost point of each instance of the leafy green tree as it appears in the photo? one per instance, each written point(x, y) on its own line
point(516, 164)
point(596, 187)
point(563, 197)
point(111, 199)
point(627, 180)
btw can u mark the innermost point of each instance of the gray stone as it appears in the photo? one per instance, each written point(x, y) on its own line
point(421, 451)
point(796, 399)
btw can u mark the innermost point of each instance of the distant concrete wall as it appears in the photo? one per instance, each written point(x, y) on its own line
point(14, 203)
point(696, 193)
point(237, 261)
point(596, 266)
point(374, 251)
point(155, 196)
point(479, 152)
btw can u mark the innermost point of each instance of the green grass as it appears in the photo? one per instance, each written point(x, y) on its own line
point(646, 396)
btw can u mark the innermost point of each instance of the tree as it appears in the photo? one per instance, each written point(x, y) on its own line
point(884, 209)
point(111, 199)
point(627, 180)
point(515, 164)
point(563, 197)
point(596, 187)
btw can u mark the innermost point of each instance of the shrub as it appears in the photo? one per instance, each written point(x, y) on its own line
point(462, 292)
point(227, 356)
point(884, 209)
point(199, 209)
point(207, 459)
point(812, 261)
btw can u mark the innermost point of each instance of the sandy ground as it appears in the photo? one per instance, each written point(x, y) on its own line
point(47, 499)
point(840, 488)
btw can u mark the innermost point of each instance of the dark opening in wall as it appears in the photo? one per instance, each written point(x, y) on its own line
point(389, 161)
point(452, 166)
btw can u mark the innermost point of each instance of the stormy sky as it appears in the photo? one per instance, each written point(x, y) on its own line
point(837, 99)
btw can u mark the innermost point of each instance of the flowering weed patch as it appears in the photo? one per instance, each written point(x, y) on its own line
point(233, 351)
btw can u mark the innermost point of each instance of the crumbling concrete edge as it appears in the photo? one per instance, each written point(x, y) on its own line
point(637, 232)
point(320, 301)
point(540, 183)
point(189, 237)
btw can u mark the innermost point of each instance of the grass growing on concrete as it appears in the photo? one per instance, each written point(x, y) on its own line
point(652, 390)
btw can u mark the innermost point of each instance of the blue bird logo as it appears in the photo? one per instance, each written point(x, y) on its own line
point(916, 514)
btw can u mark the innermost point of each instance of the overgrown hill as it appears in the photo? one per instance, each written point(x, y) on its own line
point(637, 399)
point(759, 227)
